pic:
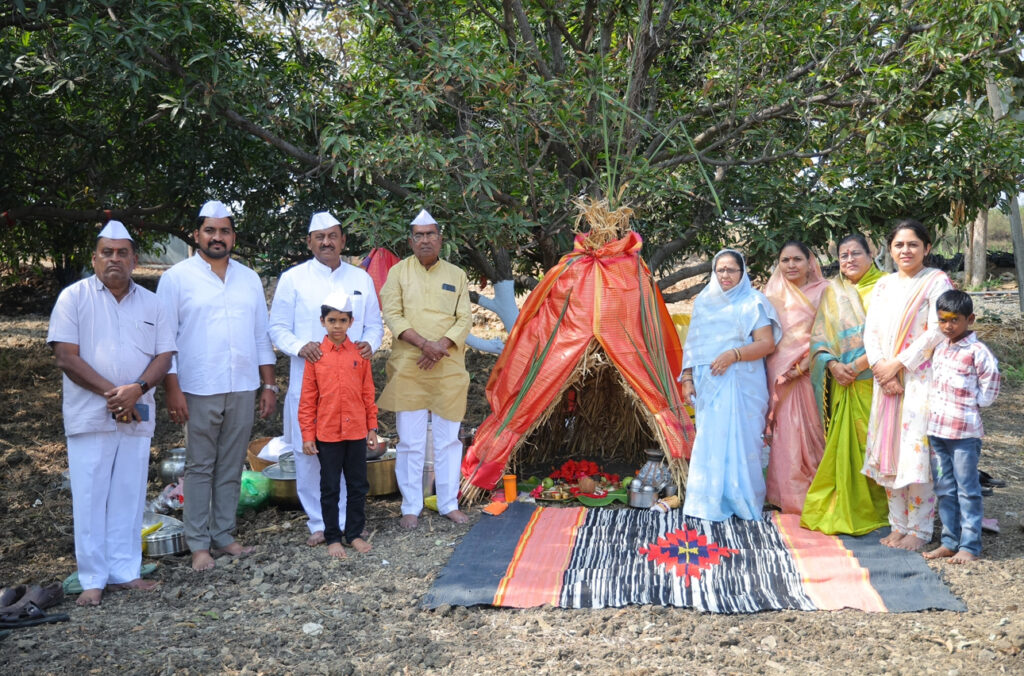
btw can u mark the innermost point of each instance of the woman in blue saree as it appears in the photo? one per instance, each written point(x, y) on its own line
point(733, 328)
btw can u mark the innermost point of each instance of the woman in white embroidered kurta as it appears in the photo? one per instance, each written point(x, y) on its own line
point(900, 331)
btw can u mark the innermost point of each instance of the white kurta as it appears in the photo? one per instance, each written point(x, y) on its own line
point(220, 325)
point(294, 322)
point(118, 340)
point(108, 461)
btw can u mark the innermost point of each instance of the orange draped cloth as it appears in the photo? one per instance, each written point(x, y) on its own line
point(604, 294)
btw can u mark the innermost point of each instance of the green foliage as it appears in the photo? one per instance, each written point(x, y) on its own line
point(749, 122)
point(1013, 373)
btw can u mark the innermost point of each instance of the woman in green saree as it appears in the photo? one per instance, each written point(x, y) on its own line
point(841, 499)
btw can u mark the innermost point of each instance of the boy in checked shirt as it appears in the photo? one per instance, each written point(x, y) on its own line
point(965, 378)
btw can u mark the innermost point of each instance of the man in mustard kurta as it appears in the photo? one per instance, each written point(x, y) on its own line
point(425, 303)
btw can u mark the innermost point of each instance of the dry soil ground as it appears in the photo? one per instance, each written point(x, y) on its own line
point(288, 609)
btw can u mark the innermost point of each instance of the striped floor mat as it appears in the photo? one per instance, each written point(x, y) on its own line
point(597, 558)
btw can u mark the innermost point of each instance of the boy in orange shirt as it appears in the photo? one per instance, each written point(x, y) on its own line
point(338, 419)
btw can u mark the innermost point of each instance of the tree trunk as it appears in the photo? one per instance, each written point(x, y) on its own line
point(995, 102)
point(503, 304)
point(1018, 249)
point(977, 251)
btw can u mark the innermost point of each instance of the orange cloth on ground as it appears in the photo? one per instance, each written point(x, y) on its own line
point(337, 395)
point(607, 295)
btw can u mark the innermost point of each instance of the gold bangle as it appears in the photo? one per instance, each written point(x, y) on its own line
point(799, 371)
point(739, 356)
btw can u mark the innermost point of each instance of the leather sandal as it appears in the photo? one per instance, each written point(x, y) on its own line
point(22, 601)
point(46, 597)
point(29, 615)
point(11, 595)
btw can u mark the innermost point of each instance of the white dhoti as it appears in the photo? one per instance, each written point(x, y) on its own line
point(108, 472)
point(411, 454)
point(307, 468)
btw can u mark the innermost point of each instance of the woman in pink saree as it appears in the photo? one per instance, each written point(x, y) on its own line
point(795, 434)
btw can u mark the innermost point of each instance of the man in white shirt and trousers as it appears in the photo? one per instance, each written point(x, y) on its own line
point(219, 313)
point(296, 330)
point(113, 341)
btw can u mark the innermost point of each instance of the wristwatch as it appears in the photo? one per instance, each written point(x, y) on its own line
point(273, 388)
point(143, 384)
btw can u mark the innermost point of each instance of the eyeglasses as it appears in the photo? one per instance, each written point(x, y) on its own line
point(849, 256)
point(428, 236)
point(728, 271)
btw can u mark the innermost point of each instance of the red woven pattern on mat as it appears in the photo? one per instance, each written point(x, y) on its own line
point(534, 576)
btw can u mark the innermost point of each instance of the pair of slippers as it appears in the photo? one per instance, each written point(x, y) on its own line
point(23, 606)
point(988, 481)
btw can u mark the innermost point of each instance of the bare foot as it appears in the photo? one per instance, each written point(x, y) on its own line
point(90, 597)
point(336, 550)
point(963, 556)
point(940, 553)
point(892, 539)
point(911, 543)
point(233, 549)
point(315, 538)
point(409, 521)
point(361, 545)
point(457, 516)
point(201, 560)
point(138, 584)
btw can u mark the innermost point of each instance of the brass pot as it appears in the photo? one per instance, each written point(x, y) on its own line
point(282, 484)
point(284, 493)
point(381, 475)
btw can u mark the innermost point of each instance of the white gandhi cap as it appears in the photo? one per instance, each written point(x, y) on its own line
point(423, 218)
point(321, 221)
point(114, 230)
point(338, 300)
point(214, 209)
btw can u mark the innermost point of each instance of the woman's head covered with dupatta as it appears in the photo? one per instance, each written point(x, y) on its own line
point(724, 318)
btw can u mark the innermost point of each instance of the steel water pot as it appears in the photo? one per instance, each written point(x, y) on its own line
point(172, 465)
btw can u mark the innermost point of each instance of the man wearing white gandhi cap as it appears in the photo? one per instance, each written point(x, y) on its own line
point(113, 341)
point(296, 330)
point(425, 303)
point(219, 313)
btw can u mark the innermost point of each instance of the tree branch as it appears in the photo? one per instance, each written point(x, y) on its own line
point(684, 273)
point(524, 29)
point(44, 212)
point(480, 262)
point(685, 294)
point(670, 249)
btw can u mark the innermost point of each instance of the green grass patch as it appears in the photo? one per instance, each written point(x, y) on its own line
point(1006, 340)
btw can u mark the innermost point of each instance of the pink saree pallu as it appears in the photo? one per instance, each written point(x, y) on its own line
point(794, 421)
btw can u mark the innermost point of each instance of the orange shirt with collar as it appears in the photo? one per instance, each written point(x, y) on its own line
point(337, 402)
